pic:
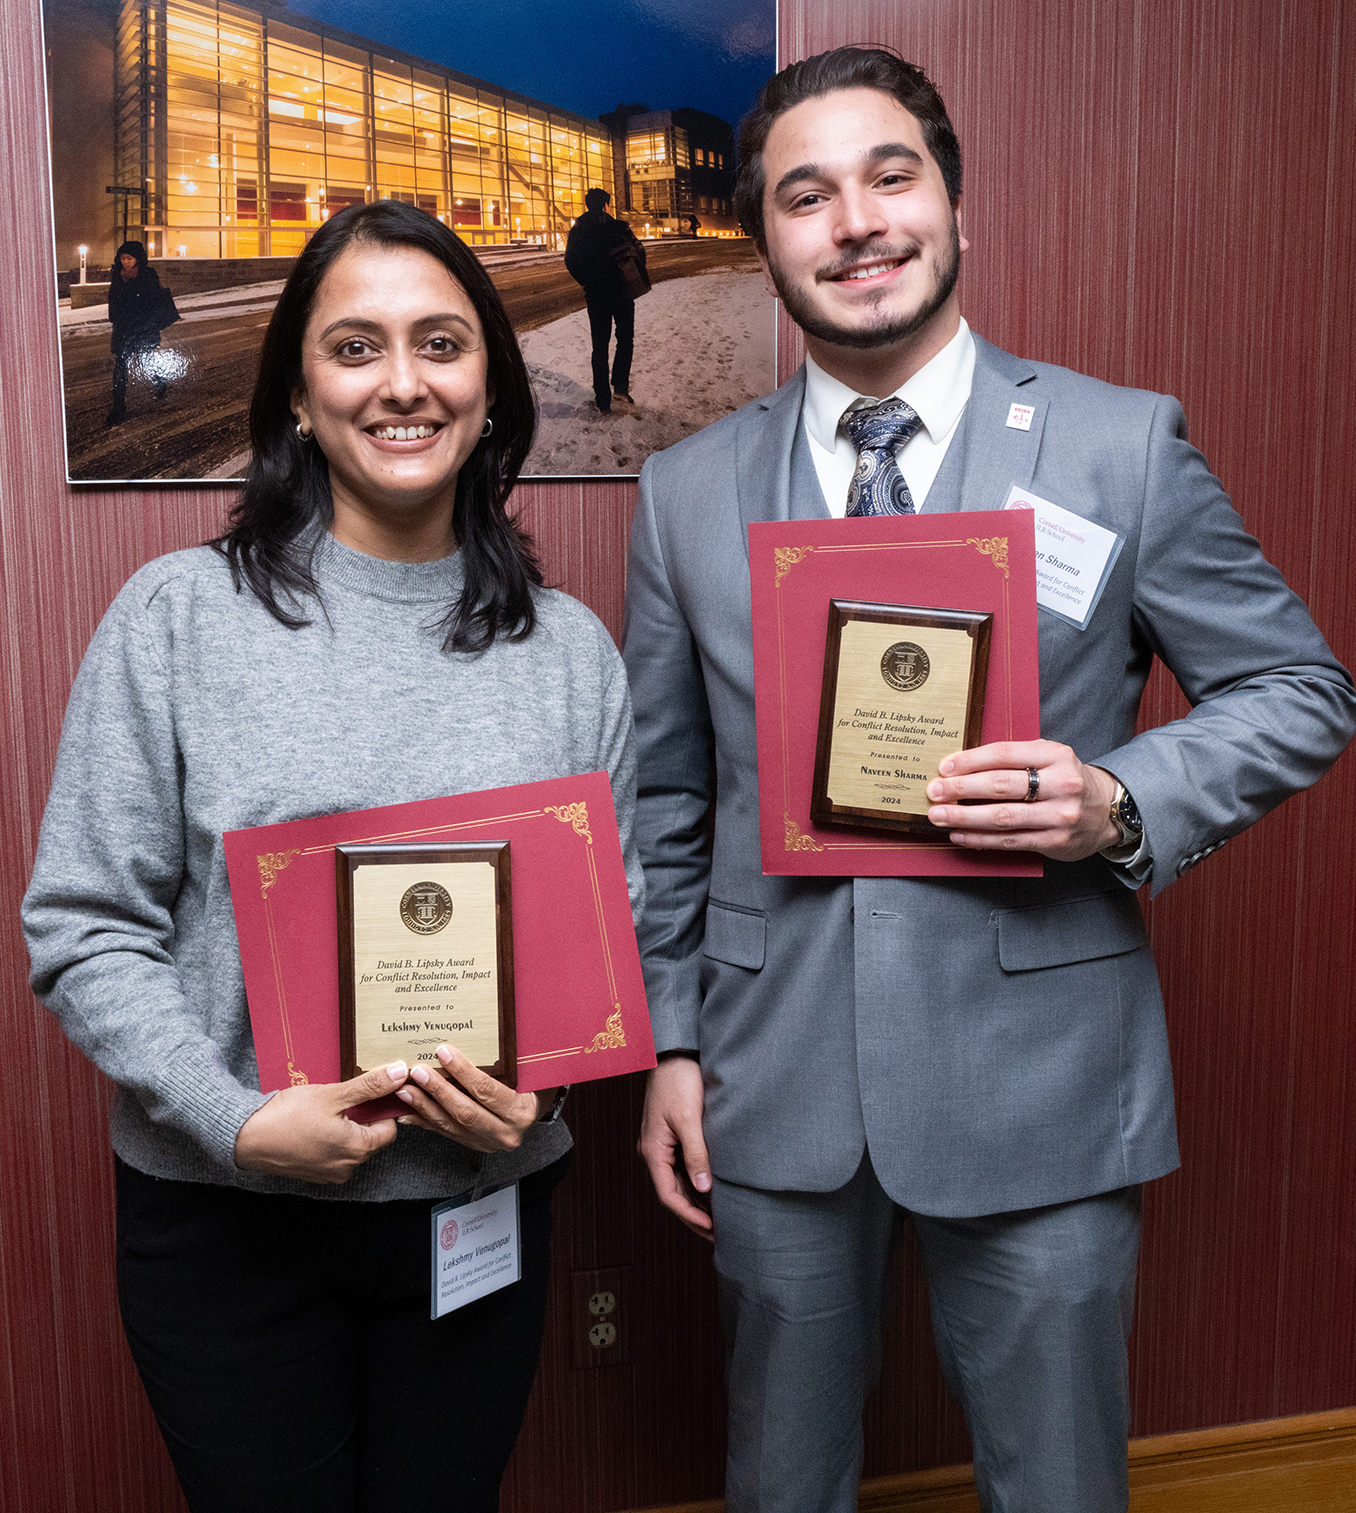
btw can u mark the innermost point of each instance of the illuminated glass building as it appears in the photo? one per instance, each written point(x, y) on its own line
point(677, 163)
point(241, 128)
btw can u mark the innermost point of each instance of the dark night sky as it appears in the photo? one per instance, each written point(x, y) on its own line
point(582, 55)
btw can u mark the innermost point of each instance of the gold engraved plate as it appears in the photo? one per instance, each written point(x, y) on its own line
point(423, 955)
point(903, 687)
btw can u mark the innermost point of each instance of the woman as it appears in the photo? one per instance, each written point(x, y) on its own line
point(371, 630)
point(139, 307)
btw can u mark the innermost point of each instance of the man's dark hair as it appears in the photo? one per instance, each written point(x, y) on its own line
point(843, 68)
point(287, 488)
point(596, 199)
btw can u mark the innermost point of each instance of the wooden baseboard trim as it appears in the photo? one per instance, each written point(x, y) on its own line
point(1305, 1464)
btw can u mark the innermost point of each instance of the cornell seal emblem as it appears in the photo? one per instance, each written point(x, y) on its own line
point(425, 908)
point(905, 666)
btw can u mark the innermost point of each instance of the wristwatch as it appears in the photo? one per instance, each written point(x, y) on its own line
point(552, 1116)
point(1125, 817)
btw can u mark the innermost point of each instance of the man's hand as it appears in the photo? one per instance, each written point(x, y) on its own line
point(1069, 820)
point(469, 1106)
point(671, 1142)
point(302, 1132)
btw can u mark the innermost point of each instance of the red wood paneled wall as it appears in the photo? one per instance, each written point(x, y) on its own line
point(1160, 192)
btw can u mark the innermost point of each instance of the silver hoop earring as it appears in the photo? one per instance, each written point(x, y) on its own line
point(302, 436)
point(489, 426)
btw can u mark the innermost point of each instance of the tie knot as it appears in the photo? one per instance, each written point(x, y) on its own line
point(884, 426)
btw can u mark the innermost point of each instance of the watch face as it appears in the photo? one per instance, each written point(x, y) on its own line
point(1128, 813)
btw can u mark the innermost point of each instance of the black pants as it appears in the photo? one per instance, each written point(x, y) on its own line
point(131, 353)
point(287, 1350)
point(604, 310)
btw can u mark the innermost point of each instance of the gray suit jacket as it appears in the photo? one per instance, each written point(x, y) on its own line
point(997, 1043)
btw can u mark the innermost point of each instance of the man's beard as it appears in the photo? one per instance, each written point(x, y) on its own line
point(887, 331)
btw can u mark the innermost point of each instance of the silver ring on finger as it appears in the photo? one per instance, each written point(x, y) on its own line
point(1033, 786)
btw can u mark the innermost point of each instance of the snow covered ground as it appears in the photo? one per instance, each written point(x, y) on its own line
point(704, 346)
point(244, 299)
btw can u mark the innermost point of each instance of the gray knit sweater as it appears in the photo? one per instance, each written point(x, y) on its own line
point(196, 712)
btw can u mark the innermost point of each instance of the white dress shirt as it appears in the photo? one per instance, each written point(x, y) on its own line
point(938, 391)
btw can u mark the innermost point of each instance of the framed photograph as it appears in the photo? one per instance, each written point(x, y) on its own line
point(196, 145)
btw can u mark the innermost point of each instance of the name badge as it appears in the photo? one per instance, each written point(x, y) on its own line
point(1074, 557)
point(475, 1247)
point(1020, 417)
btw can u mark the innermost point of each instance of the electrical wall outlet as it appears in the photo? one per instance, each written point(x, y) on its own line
point(598, 1317)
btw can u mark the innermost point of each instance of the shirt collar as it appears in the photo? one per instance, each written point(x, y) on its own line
point(938, 392)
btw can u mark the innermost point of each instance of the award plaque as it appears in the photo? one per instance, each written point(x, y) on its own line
point(903, 687)
point(425, 955)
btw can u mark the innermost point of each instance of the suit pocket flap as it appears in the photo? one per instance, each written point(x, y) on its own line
point(737, 936)
point(1078, 929)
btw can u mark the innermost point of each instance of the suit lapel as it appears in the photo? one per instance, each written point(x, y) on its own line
point(987, 455)
point(775, 475)
point(770, 465)
point(807, 497)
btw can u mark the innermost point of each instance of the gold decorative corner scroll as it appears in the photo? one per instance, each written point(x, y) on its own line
point(995, 547)
point(573, 814)
point(298, 1078)
point(786, 558)
point(796, 839)
point(270, 864)
point(613, 1037)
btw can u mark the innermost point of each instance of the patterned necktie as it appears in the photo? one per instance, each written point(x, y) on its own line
point(878, 487)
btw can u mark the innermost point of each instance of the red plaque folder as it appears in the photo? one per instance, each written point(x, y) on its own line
point(580, 999)
point(980, 560)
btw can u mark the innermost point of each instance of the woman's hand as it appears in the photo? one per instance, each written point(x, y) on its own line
point(469, 1106)
point(301, 1132)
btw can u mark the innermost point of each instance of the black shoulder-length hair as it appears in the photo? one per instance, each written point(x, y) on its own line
point(287, 487)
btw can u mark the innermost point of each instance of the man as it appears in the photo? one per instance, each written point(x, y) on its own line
point(591, 252)
point(987, 1056)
